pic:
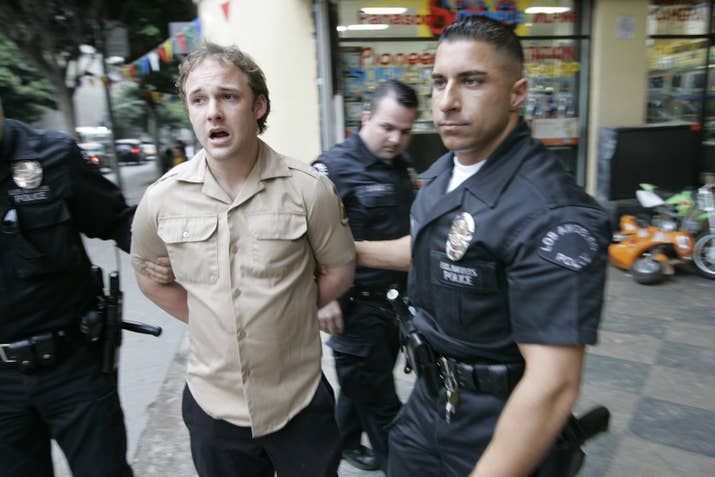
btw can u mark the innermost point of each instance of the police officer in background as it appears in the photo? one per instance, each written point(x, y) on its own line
point(376, 182)
point(51, 385)
point(508, 269)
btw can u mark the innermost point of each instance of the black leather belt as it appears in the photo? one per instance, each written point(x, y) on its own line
point(496, 379)
point(39, 351)
point(366, 293)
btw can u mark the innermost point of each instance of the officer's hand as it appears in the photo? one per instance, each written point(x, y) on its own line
point(160, 271)
point(331, 318)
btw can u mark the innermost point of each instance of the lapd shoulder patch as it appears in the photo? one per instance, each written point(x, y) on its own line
point(568, 245)
point(320, 167)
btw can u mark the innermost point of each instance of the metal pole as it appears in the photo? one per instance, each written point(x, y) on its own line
point(101, 43)
point(325, 76)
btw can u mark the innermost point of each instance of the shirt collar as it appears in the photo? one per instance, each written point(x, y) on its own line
point(366, 156)
point(268, 164)
point(499, 168)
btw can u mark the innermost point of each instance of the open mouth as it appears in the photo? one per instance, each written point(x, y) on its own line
point(218, 134)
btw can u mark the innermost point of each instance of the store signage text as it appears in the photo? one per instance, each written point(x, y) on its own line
point(532, 53)
point(370, 57)
point(676, 11)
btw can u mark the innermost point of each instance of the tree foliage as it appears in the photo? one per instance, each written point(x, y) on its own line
point(49, 34)
point(23, 90)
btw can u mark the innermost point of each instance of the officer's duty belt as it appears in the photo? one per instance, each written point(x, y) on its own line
point(496, 379)
point(367, 293)
point(40, 351)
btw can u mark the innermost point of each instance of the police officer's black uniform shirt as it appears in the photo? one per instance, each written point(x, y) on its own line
point(526, 259)
point(45, 279)
point(377, 197)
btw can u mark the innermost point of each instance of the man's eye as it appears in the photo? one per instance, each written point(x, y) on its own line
point(473, 81)
point(229, 96)
point(197, 100)
point(438, 83)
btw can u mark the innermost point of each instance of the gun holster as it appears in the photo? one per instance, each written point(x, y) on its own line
point(421, 358)
point(565, 457)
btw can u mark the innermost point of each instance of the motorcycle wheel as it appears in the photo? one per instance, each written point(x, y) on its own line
point(704, 255)
point(647, 271)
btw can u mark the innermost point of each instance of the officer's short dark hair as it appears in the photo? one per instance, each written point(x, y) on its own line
point(487, 30)
point(403, 94)
point(230, 54)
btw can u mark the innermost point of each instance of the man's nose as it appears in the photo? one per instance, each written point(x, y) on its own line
point(448, 99)
point(394, 137)
point(214, 110)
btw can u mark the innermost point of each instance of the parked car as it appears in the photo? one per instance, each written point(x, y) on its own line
point(149, 149)
point(95, 154)
point(130, 151)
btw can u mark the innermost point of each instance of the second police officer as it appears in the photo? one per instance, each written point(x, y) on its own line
point(376, 182)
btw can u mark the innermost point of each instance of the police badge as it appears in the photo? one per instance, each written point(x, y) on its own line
point(27, 174)
point(461, 233)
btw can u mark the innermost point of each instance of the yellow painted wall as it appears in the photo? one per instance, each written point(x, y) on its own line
point(619, 71)
point(279, 36)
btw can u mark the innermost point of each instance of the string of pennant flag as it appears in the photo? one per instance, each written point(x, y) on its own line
point(182, 42)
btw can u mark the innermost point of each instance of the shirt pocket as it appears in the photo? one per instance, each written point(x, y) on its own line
point(380, 208)
point(49, 242)
point(192, 243)
point(277, 240)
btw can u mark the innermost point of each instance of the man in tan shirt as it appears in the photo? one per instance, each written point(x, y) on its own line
point(257, 242)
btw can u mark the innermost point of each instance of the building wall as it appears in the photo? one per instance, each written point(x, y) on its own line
point(279, 35)
point(619, 71)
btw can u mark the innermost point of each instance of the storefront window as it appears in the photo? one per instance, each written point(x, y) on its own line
point(397, 39)
point(678, 17)
point(373, 61)
point(676, 79)
point(553, 69)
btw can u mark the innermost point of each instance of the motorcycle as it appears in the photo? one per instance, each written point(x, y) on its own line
point(675, 234)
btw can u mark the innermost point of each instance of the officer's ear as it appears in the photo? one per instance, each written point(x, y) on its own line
point(366, 115)
point(518, 94)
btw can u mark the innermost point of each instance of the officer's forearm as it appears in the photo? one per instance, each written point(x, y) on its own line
point(385, 254)
point(333, 281)
point(169, 297)
point(535, 413)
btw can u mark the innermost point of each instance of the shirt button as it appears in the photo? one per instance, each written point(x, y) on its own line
point(242, 335)
point(236, 292)
point(185, 234)
point(234, 249)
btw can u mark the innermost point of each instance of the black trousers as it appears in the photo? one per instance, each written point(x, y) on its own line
point(365, 356)
point(307, 446)
point(423, 444)
point(73, 403)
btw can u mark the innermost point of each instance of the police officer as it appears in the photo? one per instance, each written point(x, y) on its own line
point(376, 181)
point(50, 379)
point(508, 269)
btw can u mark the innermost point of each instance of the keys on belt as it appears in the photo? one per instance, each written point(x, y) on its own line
point(496, 379)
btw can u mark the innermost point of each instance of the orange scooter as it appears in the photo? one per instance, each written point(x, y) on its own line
point(651, 251)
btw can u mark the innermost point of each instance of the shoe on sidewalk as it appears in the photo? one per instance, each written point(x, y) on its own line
point(361, 457)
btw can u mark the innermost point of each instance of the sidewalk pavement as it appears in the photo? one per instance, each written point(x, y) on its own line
point(654, 368)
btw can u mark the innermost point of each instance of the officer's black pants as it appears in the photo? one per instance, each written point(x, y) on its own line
point(306, 446)
point(423, 444)
point(365, 356)
point(73, 403)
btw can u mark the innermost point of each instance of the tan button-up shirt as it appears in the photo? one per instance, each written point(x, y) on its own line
point(249, 267)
